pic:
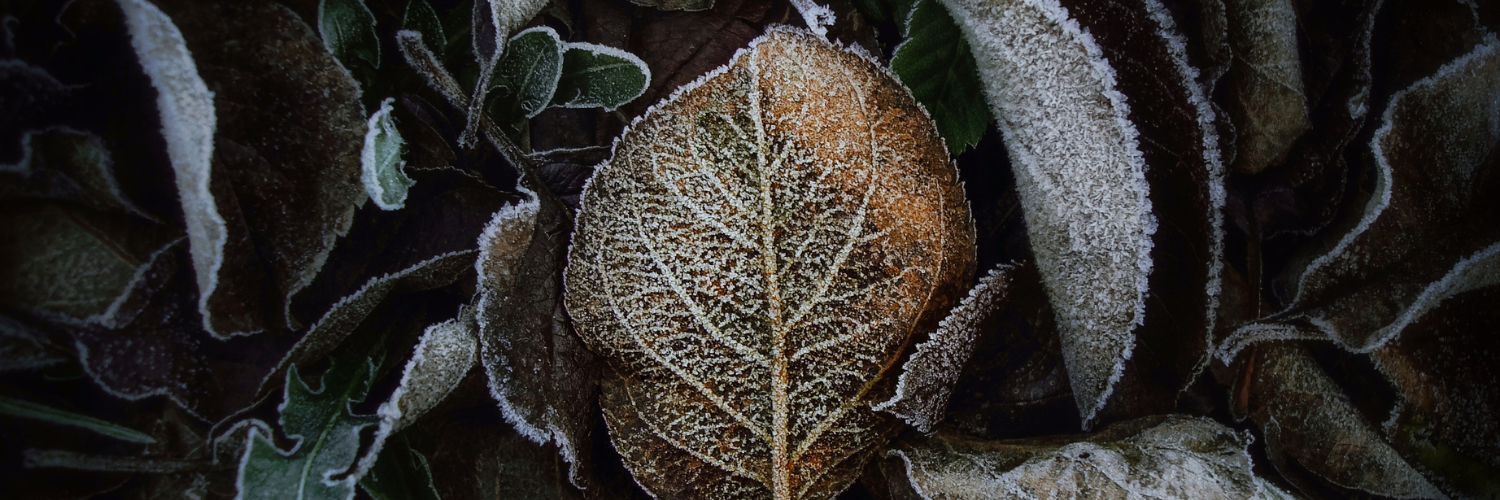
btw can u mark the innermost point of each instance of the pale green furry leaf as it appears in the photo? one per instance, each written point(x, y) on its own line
point(526, 75)
point(384, 181)
point(27, 409)
point(327, 436)
point(348, 30)
point(599, 76)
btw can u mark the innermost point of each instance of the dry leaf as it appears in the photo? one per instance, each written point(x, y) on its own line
point(1165, 457)
point(1264, 82)
point(753, 261)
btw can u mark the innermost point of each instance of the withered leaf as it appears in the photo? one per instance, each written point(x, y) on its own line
point(1431, 213)
point(285, 153)
point(752, 262)
point(1310, 424)
point(1153, 457)
point(1265, 95)
point(1097, 175)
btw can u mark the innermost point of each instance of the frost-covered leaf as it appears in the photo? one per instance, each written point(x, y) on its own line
point(61, 163)
point(32, 97)
point(26, 409)
point(1264, 83)
point(442, 357)
point(1430, 214)
point(527, 75)
point(401, 474)
point(420, 17)
point(493, 21)
point(188, 119)
point(1167, 457)
point(676, 4)
point(24, 347)
point(427, 245)
point(599, 76)
point(348, 30)
point(325, 431)
point(164, 350)
point(1443, 366)
point(1310, 424)
point(539, 371)
point(755, 255)
point(384, 181)
point(76, 263)
point(928, 377)
point(285, 158)
point(680, 47)
point(934, 62)
point(1095, 178)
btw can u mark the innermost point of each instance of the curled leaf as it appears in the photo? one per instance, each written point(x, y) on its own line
point(752, 262)
point(1310, 423)
point(927, 378)
point(384, 181)
point(1153, 457)
point(1424, 233)
point(348, 30)
point(599, 76)
point(525, 77)
point(1265, 92)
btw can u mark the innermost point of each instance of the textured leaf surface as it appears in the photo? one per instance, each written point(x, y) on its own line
point(384, 181)
point(676, 4)
point(935, 63)
point(1309, 422)
point(401, 474)
point(540, 373)
point(753, 259)
point(421, 18)
point(1180, 147)
point(1171, 457)
point(1080, 174)
point(327, 436)
point(286, 158)
point(61, 163)
point(927, 378)
point(1264, 82)
point(526, 75)
point(1431, 215)
point(599, 76)
point(348, 30)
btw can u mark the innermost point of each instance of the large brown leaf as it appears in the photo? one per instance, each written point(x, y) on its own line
point(753, 261)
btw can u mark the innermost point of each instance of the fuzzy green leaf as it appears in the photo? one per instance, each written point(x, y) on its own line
point(599, 76)
point(526, 75)
point(327, 436)
point(348, 30)
point(934, 62)
point(384, 181)
point(420, 17)
point(27, 409)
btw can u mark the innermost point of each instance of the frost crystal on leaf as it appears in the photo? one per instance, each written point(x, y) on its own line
point(188, 121)
point(384, 181)
point(1080, 175)
point(1171, 457)
point(927, 378)
point(1264, 82)
point(753, 260)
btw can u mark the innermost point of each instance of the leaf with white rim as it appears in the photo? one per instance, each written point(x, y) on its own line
point(381, 158)
point(599, 76)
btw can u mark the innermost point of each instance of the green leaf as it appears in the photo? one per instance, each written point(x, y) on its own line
point(27, 409)
point(423, 19)
point(401, 473)
point(384, 181)
point(348, 30)
point(599, 76)
point(526, 75)
point(327, 436)
point(934, 62)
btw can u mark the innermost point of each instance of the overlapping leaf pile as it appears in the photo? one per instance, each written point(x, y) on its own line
point(483, 249)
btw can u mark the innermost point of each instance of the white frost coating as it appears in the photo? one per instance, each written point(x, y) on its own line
point(609, 51)
point(1263, 332)
point(927, 378)
point(1472, 273)
point(380, 125)
point(1177, 49)
point(444, 355)
point(1264, 490)
point(1179, 458)
point(1336, 260)
point(188, 122)
point(1080, 175)
point(503, 242)
point(817, 16)
point(511, 14)
point(112, 317)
